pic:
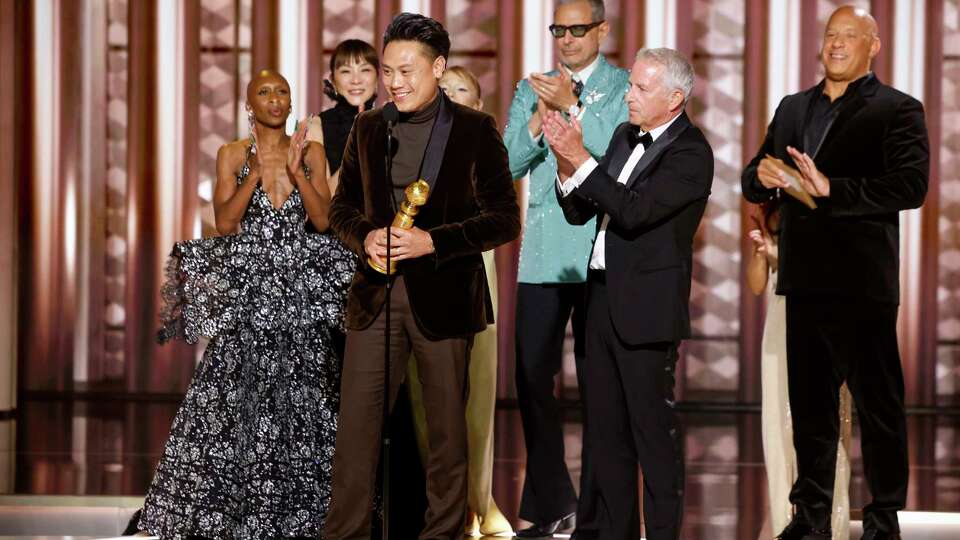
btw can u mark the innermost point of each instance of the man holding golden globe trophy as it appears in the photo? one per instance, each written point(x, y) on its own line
point(438, 173)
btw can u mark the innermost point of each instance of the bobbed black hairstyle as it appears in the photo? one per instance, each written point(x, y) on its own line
point(347, 52)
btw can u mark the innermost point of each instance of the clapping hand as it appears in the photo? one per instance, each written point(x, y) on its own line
point(555, 91)
point(771, 173)
point(759, 241)
point(255, 169)
point(535, 125)
point(295, 153)
point(566, 141)
point(763, 243)
point(812, 180)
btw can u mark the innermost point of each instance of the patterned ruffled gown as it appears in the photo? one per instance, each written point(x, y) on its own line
point(250, 453)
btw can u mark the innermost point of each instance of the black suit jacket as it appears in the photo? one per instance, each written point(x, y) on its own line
point(472, 208)
point(653, 218)
point(877, 158)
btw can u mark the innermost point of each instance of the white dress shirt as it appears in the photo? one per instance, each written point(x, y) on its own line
point(597, 257)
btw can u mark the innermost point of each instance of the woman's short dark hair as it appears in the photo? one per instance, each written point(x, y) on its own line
point(424, 30)
point(353, 50)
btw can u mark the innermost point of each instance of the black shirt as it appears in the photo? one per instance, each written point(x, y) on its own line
point(336, 123)
point(823, 112)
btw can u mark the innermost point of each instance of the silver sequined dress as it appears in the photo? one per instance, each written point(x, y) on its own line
point(251, 448)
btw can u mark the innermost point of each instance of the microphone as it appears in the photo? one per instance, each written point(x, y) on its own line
point(391, 114)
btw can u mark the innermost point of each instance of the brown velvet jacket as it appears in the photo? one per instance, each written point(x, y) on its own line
point(472, 208)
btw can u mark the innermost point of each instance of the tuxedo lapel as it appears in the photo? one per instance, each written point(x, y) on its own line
point(801, 127)
point(658, 146)
point(647, 158)
point(620, 148)
point(435, 152)
point(847, 111)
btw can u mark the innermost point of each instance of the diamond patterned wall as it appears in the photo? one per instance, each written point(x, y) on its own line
point(948, 292)
point(473, 25)
point(116, 189)
point(218, 23)
point(347, 19)
point(712, 357)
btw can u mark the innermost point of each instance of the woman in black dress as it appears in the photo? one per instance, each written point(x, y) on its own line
point(354, 75)
point(250, 450)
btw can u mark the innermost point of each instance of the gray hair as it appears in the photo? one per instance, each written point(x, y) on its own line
point(597, 11)
point(678, 72)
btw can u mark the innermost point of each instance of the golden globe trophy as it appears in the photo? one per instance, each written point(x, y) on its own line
point(416, 195)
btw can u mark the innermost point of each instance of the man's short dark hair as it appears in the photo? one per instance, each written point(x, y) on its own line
point(424, 30)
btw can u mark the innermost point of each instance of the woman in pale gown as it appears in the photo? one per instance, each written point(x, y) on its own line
point(484, 517)
point(777, 429)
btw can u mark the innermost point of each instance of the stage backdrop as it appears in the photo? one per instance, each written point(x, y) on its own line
point(113, 111)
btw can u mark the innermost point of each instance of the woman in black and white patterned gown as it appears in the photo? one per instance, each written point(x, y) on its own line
point(250, 450)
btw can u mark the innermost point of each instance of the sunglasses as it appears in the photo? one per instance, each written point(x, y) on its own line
point(577, 30)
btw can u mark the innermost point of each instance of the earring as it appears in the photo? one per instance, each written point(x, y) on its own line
point(330, 90)
point(251, 123)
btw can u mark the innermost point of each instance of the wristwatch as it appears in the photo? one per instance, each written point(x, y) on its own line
point(574, 110)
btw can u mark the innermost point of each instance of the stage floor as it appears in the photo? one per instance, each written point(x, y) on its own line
point(79, 469)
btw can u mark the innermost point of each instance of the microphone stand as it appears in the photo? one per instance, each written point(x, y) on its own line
point(385, 425)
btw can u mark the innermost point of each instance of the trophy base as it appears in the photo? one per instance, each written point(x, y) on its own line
point(381, 269)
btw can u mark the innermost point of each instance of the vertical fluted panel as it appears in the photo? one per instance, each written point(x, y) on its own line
point(14, 34)
point(115, 263)
point(140, 292)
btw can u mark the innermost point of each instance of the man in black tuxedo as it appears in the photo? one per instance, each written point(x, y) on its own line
point(860, 148)
point(649, 192)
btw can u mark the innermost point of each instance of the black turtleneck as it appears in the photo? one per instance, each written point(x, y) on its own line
point(412, 134)
point(336, 123)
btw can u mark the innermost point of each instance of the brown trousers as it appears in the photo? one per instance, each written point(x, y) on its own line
point(442, 367)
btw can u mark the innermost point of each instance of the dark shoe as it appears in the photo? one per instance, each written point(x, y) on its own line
point(133, 526)
point(546, 530)
point(795, 530)
point(876, 534)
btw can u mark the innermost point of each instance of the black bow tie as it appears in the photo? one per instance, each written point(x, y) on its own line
point(577, 88)
point(636, 138)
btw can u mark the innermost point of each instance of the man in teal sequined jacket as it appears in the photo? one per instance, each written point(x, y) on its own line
point(554, 254)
